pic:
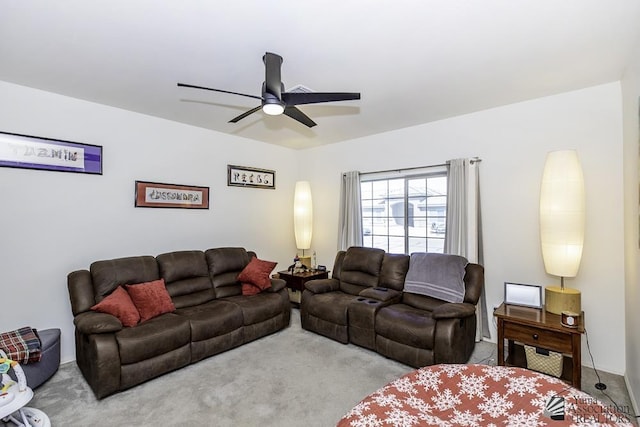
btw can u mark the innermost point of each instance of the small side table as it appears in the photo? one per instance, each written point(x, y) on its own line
point(539, 328)
point(296, 281)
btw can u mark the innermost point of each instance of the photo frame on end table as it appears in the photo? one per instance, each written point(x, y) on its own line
point(523, 295)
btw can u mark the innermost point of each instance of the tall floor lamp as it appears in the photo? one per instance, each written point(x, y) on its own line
point(562, 221)
point(303, 219)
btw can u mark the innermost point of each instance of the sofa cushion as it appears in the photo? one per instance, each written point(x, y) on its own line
point(407, 325)
point(118, 303)
point(151, 299)
point(224, 266)
point(258, 308)
point(107, 275)
point(331, 306)
point(157, 336)
point(186, 277)
point(212, 319)
point(360, 269)
point(393, 272)
point(256, 275)
point(421, 302)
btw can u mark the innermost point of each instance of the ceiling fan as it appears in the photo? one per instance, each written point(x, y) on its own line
point(276, 101)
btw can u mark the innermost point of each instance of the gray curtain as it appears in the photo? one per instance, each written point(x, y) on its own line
point(350, 221)
point(455, 240)
point(464, 224)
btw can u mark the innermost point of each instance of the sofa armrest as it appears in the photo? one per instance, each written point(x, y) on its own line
point(277, 285)
point(80, 291)
point(453, 310)
point(91, 322)
point(321, 286)
point(381, 294)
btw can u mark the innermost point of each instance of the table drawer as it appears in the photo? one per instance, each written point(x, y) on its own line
point(551, 340)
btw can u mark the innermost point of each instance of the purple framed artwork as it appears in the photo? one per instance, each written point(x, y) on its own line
point(34, 152)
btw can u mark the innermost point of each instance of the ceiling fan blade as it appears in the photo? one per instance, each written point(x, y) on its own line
point(298, 98)
point(218, 90)
point(272, 79)
point(245, 114)
point(298, 115)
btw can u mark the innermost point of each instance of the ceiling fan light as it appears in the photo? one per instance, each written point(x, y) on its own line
point(273, 109)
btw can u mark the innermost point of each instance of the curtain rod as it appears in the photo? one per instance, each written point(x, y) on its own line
point(472, 160)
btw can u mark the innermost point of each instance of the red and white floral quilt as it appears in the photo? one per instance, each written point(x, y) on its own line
point(480, 395)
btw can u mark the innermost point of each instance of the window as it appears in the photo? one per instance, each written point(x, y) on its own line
point(405, 214)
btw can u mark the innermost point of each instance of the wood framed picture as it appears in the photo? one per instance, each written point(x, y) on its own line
point(241, 176)
point(158, 195)
point(35, 152)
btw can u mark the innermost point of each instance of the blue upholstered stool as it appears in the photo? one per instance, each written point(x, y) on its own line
point(37, 373)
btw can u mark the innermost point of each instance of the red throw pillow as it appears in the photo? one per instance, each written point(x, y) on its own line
point(256, 274)
point(249, 289)
point(151, 299)
point(119, 304)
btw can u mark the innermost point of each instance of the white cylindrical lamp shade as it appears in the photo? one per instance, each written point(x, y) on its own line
point(562, 213)
point(303, 214)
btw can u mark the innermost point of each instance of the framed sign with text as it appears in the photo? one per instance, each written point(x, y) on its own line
point(34, 152)
point(240, 176)
point(157, 195)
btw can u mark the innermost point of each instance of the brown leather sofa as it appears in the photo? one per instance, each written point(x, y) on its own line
point(211, 315)
point(364, 303)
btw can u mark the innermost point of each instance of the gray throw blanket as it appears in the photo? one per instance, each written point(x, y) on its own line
point(439, 276)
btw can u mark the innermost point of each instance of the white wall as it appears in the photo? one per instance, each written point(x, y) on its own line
point(631, 96)
point(512, 142)
point(53, 223)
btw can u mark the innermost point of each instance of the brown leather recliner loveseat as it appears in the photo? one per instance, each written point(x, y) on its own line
point(211, 315)
point(365, 303)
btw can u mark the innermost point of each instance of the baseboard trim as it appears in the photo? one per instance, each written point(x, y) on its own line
point(634, 402)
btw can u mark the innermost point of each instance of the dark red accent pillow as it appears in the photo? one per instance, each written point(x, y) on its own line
point(256, 274)
point(151, 299)
point(118, 303)
point(249, 289)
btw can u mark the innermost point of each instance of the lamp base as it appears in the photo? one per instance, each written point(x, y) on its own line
point(558, 300)
point(305, 260)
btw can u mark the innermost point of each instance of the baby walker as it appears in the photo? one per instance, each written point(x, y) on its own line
point(14, 396)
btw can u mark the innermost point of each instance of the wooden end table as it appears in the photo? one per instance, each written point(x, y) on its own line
point(295, 281)
point(539, 328)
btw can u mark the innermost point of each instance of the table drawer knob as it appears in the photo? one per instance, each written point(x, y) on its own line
point(535, 336)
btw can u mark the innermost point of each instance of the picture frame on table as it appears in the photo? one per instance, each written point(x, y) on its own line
point(160, 195)
point(242, 176)
point(40, 153)
point(522, 294)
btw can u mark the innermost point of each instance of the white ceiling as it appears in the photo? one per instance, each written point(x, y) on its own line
point(413, 61)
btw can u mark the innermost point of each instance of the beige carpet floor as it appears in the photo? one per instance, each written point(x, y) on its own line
point(291, 378)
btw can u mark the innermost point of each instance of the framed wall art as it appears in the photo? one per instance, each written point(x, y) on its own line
point(523, 294)
point(240, 176)
point(34, 152)
point(158, 195)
